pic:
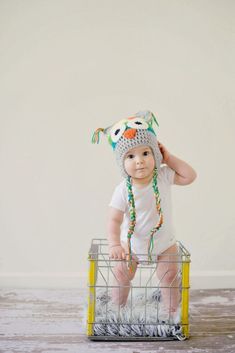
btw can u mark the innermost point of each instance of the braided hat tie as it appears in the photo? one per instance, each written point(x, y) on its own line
point(132, 212)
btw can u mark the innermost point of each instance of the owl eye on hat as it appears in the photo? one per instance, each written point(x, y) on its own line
point(131, 132)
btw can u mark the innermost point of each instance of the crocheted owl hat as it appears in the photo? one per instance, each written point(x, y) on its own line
point(124, 135)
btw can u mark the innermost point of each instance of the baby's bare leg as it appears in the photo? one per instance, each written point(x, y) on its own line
point(122, 281)
point(167, 272)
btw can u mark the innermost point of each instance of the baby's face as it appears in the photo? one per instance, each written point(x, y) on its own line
point(139, 162)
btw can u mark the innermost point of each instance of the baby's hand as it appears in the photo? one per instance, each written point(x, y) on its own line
point(117, 252)
point(165, 153)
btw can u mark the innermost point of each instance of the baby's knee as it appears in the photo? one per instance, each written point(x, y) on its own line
point(123, 273)
point(168, 276)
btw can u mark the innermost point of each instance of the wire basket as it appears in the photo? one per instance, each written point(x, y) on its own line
point(142, 317)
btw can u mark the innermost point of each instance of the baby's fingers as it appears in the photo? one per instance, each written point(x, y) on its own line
point(123, 255)
point(113, 255)
point(117, 254)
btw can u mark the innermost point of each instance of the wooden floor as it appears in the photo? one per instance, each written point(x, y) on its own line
point(34, 320)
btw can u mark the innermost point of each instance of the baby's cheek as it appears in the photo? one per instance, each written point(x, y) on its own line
point(152, 161)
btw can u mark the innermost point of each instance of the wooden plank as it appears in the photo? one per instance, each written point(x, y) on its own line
point(52, 320)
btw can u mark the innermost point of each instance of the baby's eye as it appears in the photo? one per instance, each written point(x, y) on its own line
point(130, 156)
point(146, 153)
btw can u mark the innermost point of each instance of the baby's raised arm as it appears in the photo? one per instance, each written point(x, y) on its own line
point(115, 218)
point(184, 173)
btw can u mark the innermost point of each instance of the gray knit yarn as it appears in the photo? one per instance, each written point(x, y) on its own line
point(142, 138)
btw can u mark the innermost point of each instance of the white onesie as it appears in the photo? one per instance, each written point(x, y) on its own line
point(146, 214)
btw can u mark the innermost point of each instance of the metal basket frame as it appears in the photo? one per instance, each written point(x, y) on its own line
point(101, 266)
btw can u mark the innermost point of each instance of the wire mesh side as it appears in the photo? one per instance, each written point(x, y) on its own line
point(117, 322)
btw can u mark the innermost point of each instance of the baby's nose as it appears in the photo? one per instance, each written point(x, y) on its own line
point(139, 160)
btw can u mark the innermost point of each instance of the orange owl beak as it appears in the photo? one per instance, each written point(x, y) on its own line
point(130, 133)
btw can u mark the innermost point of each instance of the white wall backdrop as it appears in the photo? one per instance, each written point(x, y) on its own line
point(68, 67)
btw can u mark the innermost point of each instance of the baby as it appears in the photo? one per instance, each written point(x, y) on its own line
point(140, 217)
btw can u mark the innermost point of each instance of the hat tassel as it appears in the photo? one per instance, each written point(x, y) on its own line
point(96, 135)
